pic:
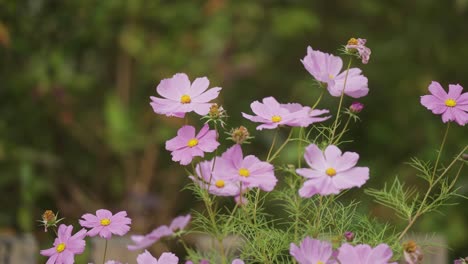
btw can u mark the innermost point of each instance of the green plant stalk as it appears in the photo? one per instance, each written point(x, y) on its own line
point(277, 152)
point(335, 124)
point(272, 144)
point(105, 252)
point(420, 210)
point(342, 131)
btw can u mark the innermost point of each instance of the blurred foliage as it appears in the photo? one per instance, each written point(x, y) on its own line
point(77, 132)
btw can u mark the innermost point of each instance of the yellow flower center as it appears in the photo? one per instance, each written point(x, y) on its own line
point(185, 99)
point(352, 41)
point(192, 143)
point(450, 102)
point(276, 119)
point(105, 221)
point(320, 262)
point(244, 172)
point(331, 76)
point(219, 183)
point(330, 172)
point(60, 247)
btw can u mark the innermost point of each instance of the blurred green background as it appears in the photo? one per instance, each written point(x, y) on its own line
point(77, 132)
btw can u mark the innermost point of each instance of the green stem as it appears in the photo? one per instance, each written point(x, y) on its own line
point(277, 152)
point(299, 147)
point(272, 143)
point(319, 99)
point(105, 252)
point(342, 131)
point(419, 212)
point(335, 124)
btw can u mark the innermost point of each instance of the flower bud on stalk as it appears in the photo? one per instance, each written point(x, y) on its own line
point(49, 219)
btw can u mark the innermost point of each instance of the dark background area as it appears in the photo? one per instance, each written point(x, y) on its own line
point(77, 132)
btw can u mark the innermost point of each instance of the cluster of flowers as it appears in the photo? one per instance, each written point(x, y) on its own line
point(233, 174)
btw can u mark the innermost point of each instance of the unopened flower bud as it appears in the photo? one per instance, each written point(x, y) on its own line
point(349, 236)
point(49, 219)
point(215, 111)
point(465, 156)
point(412, 252)
point(239, 135)
point(356, 107)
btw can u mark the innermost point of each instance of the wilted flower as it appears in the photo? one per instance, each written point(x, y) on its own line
point(180, 97)
point(49, 219)
point(331, 171)
point(325, 68)
point(239, 135)
point(185, 146)
point(104, 223)
point(412, 252)
point(461, 261)
point(312, 251)
point(165, 258)
point(66, 246)
point(452, 105)
point(349, 236)
point(356, 107)
point(358, 46)
point(364, 254)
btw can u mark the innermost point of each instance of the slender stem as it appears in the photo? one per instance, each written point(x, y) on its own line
point(335, 124)
point(299, 148)
point(105, 252)
point(272, 143)
point(419, 212)
point(319, 99)
point(342, 131)
point(277, 152)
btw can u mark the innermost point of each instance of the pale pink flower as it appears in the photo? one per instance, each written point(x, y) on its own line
point(326, 68)
point(364, 254)
point(452, 105)
point(165, 258)
point(331, 171)
point(273, 114)
point(105, 224)
point(237, 261)
point(312, 251)
point(66, 246)
point(144, 241)
point(249, 170)
point(359, 46)
point(186, 145)
point(215, 183)
point(180, 97)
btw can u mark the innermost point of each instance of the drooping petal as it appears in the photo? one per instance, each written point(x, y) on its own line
point(436, 89)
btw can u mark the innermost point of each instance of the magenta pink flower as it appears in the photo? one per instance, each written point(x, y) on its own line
point(359, 46)
point(105, 224)
point(215, 183)
point(66, 246)
point(165, 258)
point(331, 171)
point(452, 105)
point(273, 114)
point(250, 171)
point(326, 68)
point(364, 254)
point(178, 223)
point(312, 251)
point(185, 146)
point(181, 97)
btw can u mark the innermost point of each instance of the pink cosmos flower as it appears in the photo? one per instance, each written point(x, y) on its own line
point(237, 261)
point(359, 46)
point(326, 68)
point(105, 224)
point(186, 145)
point(312, 251)
point(452, 105)
point(165, 258)
point(178, 223)
point(273, 114)
point(364, 254)
point(331, 171)
point(66, 246)
point(215, 183)
point(181, 97)
point(250, 171)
